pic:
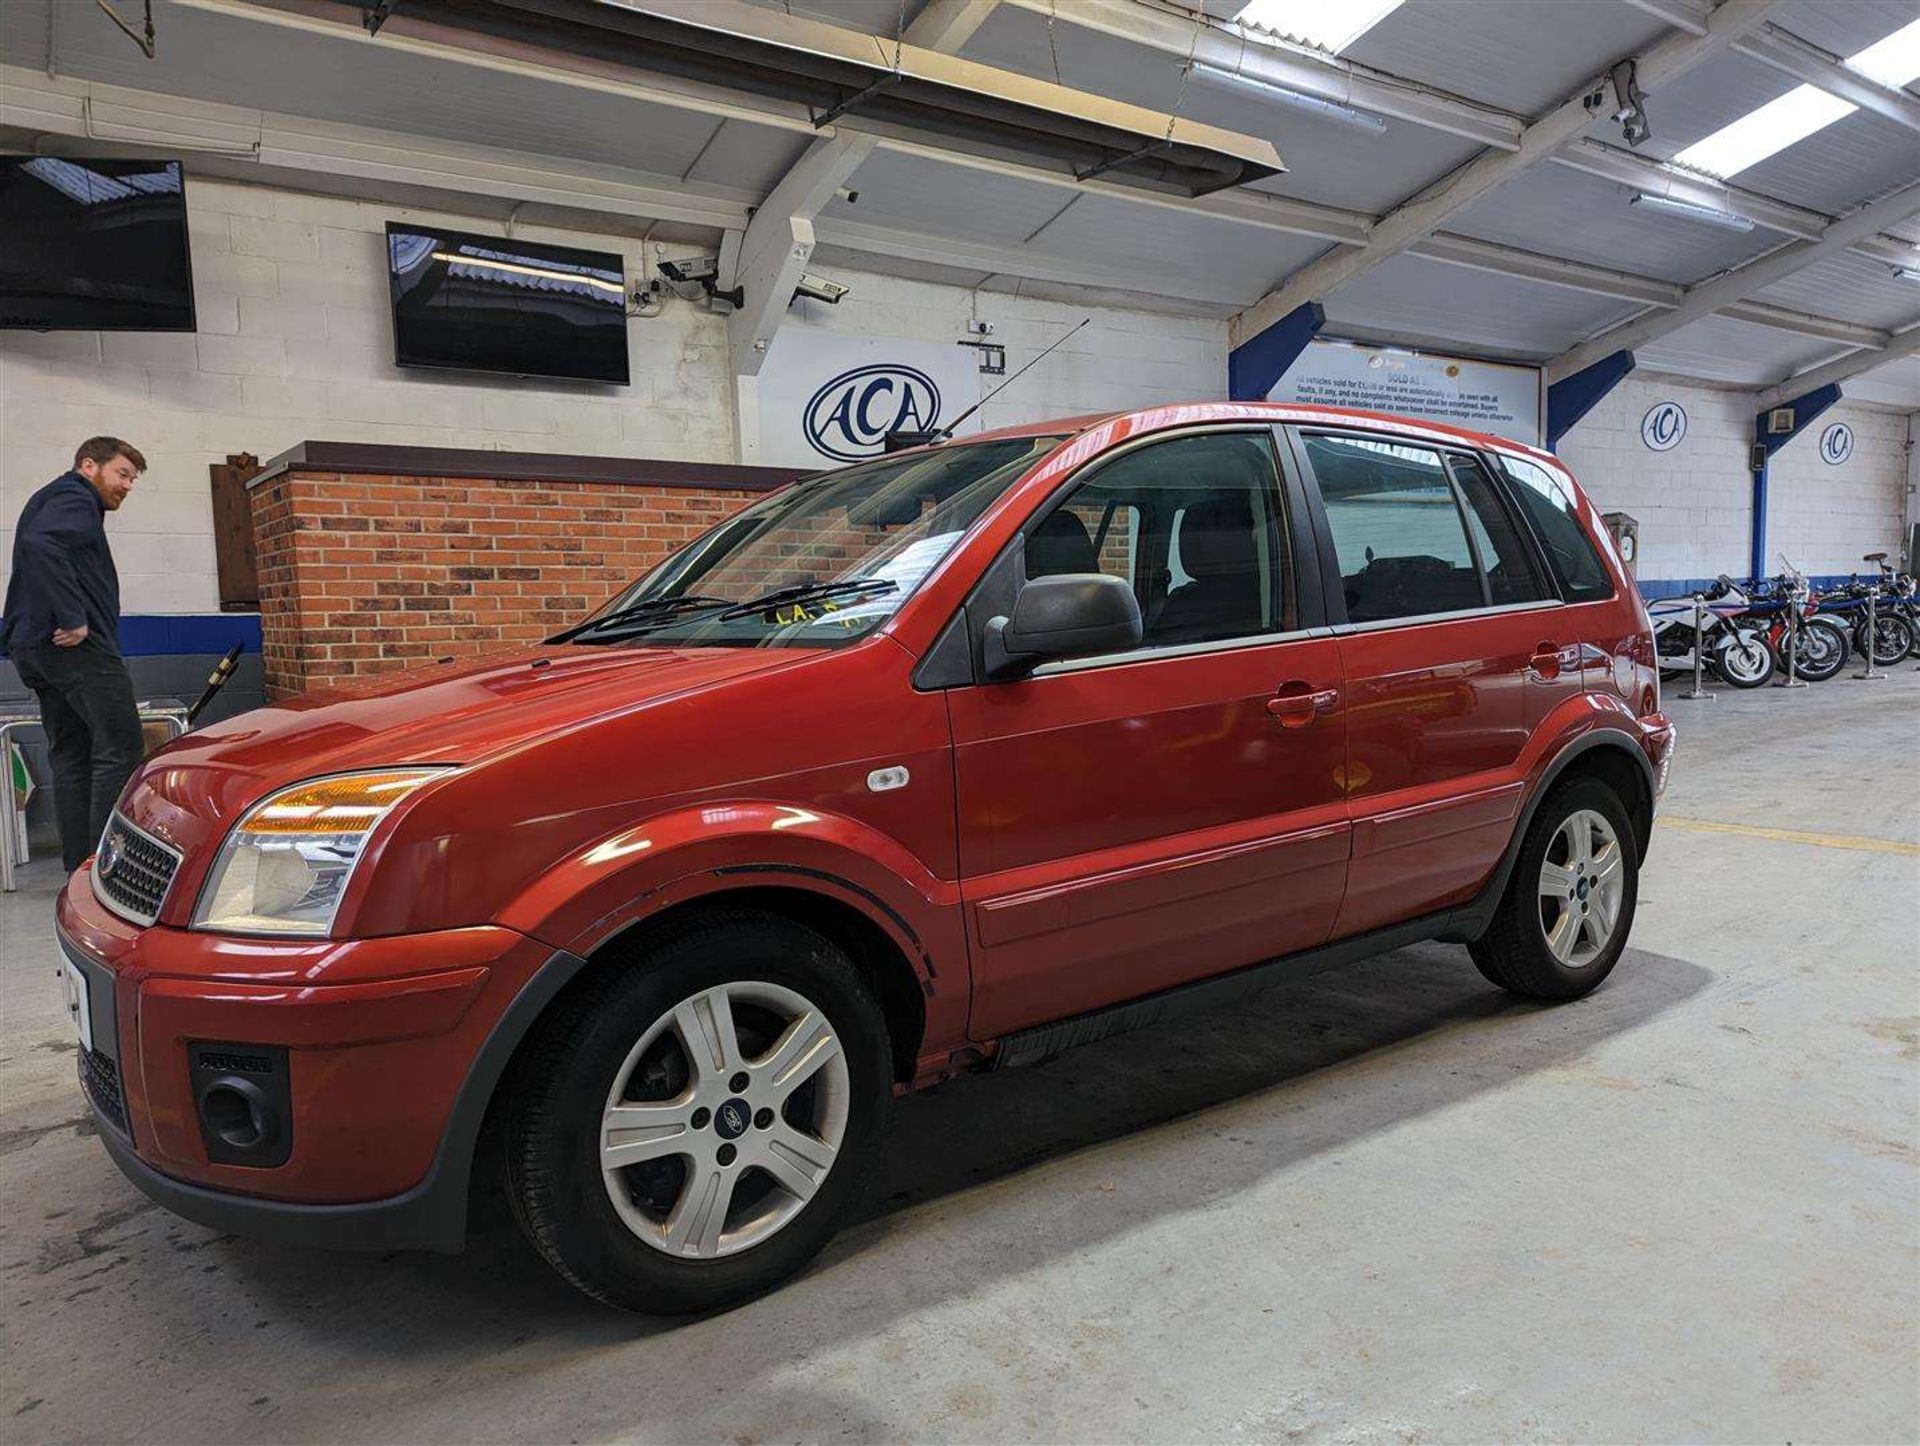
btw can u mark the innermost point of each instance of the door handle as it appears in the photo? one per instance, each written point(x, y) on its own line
point(1297, 704)
point(1545, 661)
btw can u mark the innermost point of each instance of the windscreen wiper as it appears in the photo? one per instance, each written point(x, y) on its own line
point(806, 592)
point(642, 612)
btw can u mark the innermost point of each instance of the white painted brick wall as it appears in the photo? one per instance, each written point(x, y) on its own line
point(1694, 502)
point(295, 344)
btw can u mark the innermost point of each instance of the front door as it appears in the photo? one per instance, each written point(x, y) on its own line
point(1132, 822)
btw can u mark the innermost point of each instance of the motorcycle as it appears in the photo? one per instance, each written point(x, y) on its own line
point(1894, 634)
point(1726, 641)
point(1806, 644)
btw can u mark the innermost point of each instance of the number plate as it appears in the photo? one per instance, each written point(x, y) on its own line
point(73, 990)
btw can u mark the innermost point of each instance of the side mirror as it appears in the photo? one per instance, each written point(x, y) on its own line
point(1069, 615)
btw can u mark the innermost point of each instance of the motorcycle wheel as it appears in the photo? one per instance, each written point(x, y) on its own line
point(1893, 639)
point(1742, 660)
point(1822, 650)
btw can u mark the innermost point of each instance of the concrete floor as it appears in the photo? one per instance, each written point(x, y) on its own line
point(1388, 1205)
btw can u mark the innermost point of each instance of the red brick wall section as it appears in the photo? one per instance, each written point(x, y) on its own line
point(366, 574)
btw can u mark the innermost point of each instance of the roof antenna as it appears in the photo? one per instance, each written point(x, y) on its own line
point(900, 441)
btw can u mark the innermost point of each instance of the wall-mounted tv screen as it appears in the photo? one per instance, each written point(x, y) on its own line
point(91, 245)
point(480, 303)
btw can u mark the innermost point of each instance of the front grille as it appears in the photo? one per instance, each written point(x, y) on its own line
point(132, 871)
point(100, 1078)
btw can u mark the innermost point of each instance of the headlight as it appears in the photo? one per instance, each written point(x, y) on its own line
point(285, 866)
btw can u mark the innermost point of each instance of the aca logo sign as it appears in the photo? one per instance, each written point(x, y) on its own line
point(1663, 426)
point(1836, 444)
point(848, 419)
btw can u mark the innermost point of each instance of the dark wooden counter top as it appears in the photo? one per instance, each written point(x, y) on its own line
point(385, 459)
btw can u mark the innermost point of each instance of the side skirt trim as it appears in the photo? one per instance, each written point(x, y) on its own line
point(1031, 1046)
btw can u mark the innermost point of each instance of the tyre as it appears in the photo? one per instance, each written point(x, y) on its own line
point(1893, 635)
point(1742, 660)
point(1893, 639)
point(688, 1127)
point(1564, 919)
point(1822, 647)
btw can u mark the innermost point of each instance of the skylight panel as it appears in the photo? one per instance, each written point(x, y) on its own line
point(1329, 26)
point(1894, 61)
point(1758, 134)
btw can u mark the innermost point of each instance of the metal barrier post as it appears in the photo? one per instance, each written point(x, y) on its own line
point(1869, 675)
point(1796, 637)
point(1699, 690)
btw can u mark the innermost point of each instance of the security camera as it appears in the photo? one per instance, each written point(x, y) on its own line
point(1627, 104)
point(690, 268)
point(818, 288)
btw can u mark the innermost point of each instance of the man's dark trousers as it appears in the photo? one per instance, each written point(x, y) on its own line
point(93, 734)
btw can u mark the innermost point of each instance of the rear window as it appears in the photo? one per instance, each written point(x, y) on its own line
point(1548, 505)
point(1397, 529)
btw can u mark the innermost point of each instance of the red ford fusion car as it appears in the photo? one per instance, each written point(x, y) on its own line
point(942, 762)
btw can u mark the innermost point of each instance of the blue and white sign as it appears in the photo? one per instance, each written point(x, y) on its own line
point(1663, 426)
point(1496, 397)
point(1836, 444)
point(827, 399)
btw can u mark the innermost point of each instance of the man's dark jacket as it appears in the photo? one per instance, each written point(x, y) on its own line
point(63, 574)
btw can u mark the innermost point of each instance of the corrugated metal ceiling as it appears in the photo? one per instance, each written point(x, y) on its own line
point(1517, 57)
point(1734, 351)
point(1424, 298)
point(1851, 287)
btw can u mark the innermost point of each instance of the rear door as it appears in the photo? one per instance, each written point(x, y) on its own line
point(1134, 821)
point(1441, 680)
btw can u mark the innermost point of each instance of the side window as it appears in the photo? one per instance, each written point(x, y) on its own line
point(1194, 524)
point(1397, 530)
point(1503, 554)
point(1549, 506)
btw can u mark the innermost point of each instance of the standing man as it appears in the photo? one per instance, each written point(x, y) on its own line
point(62, 630)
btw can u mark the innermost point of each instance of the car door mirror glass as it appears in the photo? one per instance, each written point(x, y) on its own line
point(1065, 615)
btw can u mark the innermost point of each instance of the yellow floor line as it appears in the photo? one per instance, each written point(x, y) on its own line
point(1790, 835)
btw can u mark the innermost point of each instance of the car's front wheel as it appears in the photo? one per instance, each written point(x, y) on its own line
point(692, 1124)
point(1564, 919)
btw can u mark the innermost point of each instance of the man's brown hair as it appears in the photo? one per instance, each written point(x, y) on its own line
point(102, 450)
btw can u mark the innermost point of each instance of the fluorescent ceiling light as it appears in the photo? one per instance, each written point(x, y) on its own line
point(1328, 24)
point(1294, 100)
point(1894, 61)
point(1712, 215)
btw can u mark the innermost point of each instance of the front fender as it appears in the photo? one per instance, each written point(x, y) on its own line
point(712, 848)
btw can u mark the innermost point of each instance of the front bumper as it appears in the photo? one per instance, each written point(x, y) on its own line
point(392, 1048)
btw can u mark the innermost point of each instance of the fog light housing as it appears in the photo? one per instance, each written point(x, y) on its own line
point(243, 1100)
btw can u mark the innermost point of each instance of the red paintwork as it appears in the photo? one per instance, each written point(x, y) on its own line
point(1066, 841)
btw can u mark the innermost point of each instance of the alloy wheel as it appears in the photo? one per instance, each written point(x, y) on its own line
point(724, 1119)
point(1582, 886)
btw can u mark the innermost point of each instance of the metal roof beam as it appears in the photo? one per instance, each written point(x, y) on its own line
point(1770, 45)
point(1904, 343)
point(1741, 282)
point(1420, 218)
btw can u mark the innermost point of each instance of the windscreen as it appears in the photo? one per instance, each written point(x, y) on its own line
point(822, 562)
